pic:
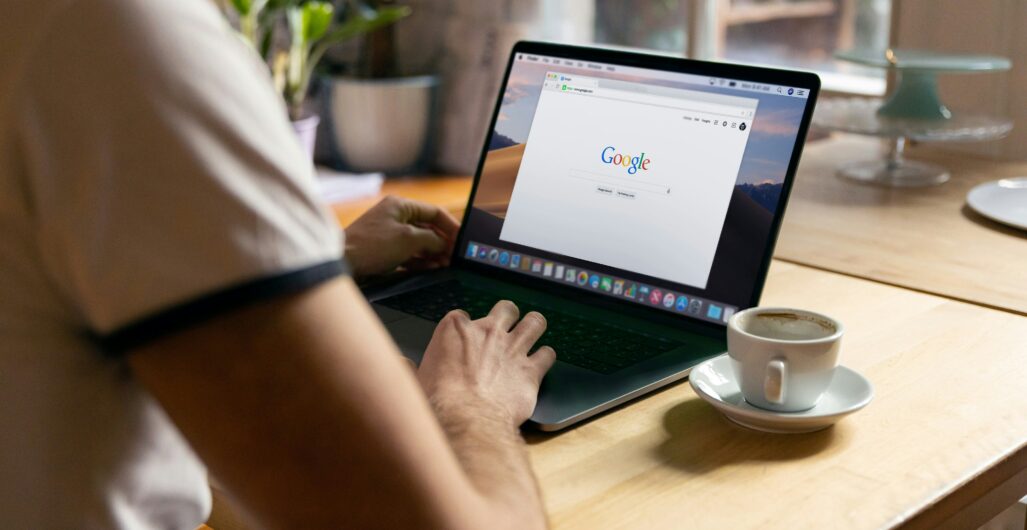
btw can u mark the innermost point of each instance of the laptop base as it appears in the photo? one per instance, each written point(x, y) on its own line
point(569, 393)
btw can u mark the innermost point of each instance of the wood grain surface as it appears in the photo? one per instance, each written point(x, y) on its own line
point(949, 421)
point(924, 239)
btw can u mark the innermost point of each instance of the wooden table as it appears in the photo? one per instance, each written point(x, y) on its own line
point(924, 239)
point(943, 444)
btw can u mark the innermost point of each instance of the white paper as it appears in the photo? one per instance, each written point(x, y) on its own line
point(336, 186)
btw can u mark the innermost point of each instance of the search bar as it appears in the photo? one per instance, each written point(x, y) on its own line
point(619, 182)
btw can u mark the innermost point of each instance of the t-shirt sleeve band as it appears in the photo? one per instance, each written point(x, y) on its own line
point(183, 316)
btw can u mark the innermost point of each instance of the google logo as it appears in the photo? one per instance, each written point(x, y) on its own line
point(633, 163)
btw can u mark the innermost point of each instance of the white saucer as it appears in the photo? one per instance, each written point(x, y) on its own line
point(715, 382)
point(1003, 201)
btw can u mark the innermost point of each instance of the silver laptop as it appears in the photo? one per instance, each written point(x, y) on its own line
point(633, 200)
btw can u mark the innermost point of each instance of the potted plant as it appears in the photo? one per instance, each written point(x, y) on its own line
point(380, 119)
point(313, 27)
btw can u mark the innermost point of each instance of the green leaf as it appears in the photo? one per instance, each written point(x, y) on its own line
point(312, 35)
point(242, 6)
point(247, 8)
point(317, 16)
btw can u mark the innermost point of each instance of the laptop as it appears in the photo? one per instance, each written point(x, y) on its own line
point(633, 200)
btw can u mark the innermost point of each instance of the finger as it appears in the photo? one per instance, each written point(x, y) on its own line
point(420, 212)
point(505, 314)
point(440, 259)
point(529, 329)
point(458, 315)
point(542, 360)
point(450, 242)
point(426, 241)
point(453, 320)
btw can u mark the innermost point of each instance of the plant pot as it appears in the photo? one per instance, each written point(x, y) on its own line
point(382, 124)
point(306, 132)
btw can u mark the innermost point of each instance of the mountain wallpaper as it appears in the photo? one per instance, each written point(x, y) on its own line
point(765, 194)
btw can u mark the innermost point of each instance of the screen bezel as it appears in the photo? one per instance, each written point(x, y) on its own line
point(756, 74)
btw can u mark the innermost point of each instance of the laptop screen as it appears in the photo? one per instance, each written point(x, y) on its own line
point(656, 187)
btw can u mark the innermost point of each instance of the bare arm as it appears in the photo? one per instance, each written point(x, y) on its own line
point(462, 385)
point(303, 408)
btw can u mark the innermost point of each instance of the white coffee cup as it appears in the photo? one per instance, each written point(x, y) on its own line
point(784, 359)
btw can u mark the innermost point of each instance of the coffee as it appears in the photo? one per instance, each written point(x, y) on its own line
point(787, 326)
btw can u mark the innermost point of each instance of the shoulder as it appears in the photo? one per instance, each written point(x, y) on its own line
point(124, 49)
point(148, 16)
point(127, 30)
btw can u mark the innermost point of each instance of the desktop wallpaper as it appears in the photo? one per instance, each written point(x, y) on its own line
point(752, 205)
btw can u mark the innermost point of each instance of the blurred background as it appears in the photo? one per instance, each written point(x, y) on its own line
point(462, 46)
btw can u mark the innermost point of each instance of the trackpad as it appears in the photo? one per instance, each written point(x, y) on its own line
point(412, 334)
point(387, 314)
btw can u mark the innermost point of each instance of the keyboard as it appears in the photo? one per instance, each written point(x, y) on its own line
point(595, 346)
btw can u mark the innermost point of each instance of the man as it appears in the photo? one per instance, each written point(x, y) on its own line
point(171, 293)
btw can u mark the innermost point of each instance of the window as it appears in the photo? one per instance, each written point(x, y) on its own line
point(789, 33)
point(586, 165)
point(650, 24)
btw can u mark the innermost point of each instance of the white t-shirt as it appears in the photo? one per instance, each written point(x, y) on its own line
point(149, 179)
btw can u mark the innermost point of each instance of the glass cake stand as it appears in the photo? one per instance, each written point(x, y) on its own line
point(913, 112)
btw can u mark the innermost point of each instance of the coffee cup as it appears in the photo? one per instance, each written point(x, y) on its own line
point(784, 359)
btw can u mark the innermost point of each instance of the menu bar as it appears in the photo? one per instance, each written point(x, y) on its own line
point(719, 82)
point(600, 283)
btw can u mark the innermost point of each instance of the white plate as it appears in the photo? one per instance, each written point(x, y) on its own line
point(1004, 201)
point(715, 382)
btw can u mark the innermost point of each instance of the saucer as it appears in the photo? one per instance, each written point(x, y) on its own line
point(715, 382)
point(1003, 201)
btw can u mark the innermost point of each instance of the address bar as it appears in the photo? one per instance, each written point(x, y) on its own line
point(677, 103)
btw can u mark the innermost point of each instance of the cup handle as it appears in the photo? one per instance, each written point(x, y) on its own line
point(774, 382)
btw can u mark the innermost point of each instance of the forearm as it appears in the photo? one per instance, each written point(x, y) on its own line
point(299, 404)
point(492, 453)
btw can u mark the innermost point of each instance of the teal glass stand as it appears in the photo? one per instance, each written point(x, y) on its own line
point(914, 111)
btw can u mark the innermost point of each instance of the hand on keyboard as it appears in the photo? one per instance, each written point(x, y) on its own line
point(485, 367)
point(588, 343)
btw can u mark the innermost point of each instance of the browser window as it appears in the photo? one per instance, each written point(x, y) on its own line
point(629, 175)
point(656, 187)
